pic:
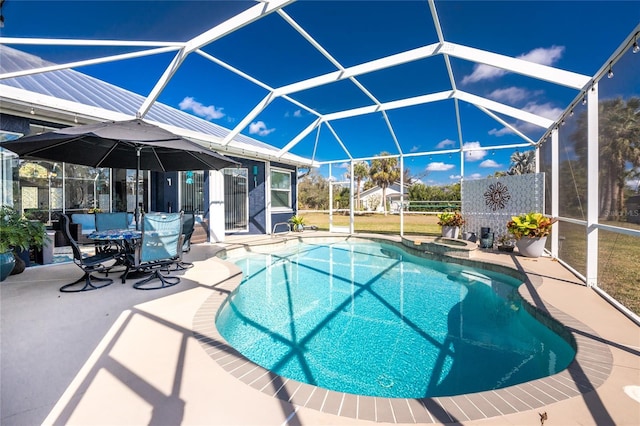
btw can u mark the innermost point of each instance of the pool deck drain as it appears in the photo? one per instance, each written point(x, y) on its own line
point(590, 368)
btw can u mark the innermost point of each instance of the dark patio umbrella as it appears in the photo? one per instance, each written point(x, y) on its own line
point(132, 144)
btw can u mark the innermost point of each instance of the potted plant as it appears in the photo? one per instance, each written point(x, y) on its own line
point(506, 242)
point(297, 223)
point(17, 234)
point(451, 223)
point(530, 231)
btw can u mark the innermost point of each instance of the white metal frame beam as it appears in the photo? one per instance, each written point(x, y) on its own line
point(230, 25)
point(504, 109)
point(87, 62)
point(519, 66)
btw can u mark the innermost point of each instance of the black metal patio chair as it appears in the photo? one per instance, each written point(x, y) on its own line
point(89, 264)
point(188, 226)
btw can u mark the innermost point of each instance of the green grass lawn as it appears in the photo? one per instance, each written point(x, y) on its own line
point(414, 224)
point(618, 273)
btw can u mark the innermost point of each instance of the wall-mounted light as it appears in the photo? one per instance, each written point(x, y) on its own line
point(571, 113)
point(636, 48)
point(584, 100)
point(255, 176)
point(75, 118)
point(610, 73)
point(33, 111)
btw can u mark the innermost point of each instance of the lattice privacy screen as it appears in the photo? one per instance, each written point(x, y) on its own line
point(492, 201)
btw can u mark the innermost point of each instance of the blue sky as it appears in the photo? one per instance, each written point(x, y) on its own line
point(578, 36)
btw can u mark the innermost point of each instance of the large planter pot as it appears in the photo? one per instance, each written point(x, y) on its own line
point(450, 231)
point(7, 262)
point(531, 247)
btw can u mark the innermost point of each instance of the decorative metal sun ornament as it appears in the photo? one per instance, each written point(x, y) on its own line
point(497, 196)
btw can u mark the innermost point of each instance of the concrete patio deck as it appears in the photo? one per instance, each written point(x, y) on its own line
point(117, 356)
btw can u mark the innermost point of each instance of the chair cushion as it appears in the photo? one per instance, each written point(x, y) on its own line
point(87, 220)
point(106, 221)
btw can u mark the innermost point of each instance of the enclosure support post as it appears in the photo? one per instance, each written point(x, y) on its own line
point(351, 192)
point(330, 199)
point(401, 195)
point(592, 186)
point(555, 186)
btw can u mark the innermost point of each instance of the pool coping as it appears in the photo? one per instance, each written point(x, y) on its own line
point(590, 368)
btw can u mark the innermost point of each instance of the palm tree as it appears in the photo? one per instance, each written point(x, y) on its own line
point(360, 172)
point(383, 172)
point(522, 163)
point(619, 146)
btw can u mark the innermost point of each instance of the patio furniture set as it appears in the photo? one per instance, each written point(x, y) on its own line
point(152, 252)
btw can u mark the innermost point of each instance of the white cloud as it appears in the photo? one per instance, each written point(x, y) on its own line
point(438, 166)
point(483, 72)
point(475, 155)
point(544, 110)
point(297, 113)
point(455, 177)
point(209, 112)
point(489, 164)
point(501, 132)
point(344, 165)
point(539, 55)
point(259, 128)
point(414, 148)
point(544, 56)
point(474, 176)
point(445, 143)
point(510, 94)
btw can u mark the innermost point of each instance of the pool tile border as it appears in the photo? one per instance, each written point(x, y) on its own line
point(590, 368)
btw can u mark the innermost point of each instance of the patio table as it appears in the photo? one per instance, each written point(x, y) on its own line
point(125, 240)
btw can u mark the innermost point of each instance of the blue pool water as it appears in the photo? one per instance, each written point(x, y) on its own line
point(370, 319)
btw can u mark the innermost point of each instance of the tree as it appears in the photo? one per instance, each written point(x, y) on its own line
point(522, 163)
point(313, 191)
point(360, 172)
point(383, 172)
point(619, 147)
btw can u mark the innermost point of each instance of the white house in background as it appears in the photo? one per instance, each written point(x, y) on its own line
point(371, 199)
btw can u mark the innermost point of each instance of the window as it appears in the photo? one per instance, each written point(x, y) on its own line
point(280, 189)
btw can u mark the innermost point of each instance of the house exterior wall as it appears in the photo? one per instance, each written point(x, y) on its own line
point(164, 193)
point(11, 123)
point(373, 196)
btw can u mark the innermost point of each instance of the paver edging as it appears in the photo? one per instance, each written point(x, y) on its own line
point(573, 381)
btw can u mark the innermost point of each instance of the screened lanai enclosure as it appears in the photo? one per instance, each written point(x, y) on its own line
point(448, 90)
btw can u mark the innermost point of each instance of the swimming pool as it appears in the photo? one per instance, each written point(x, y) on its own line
point(370, 319)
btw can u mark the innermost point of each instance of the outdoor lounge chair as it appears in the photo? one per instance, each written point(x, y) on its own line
point(159, 248)
point(89, 264)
